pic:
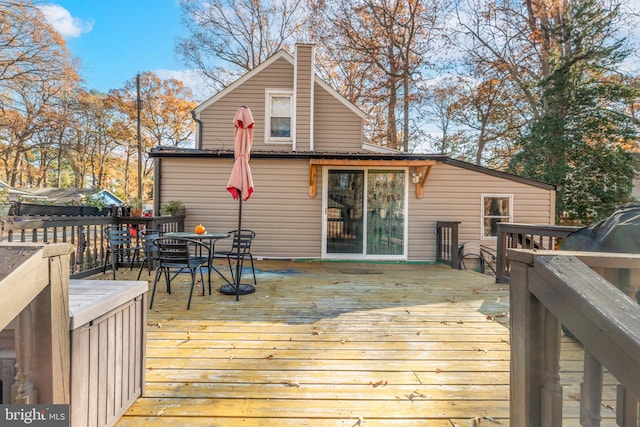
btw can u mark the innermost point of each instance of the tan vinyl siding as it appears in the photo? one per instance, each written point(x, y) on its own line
point(217, 132)
point(286, 220)
point(336, 128)
point(454, 194)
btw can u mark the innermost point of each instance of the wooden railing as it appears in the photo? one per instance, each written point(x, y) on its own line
point(447, 242)
point(34, 282)
point(525, 236)
point(553, 288)
point(85, 234)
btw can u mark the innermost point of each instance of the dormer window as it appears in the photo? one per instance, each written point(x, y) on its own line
point(279, 120)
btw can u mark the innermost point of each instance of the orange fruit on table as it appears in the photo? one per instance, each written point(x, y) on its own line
point(199, 229)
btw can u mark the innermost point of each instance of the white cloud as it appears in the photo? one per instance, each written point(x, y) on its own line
point(62, 21)
point(191, 79)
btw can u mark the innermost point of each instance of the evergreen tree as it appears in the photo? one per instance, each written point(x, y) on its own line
point(581, 140)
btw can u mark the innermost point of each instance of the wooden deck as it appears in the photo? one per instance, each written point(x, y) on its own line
point(338, 344)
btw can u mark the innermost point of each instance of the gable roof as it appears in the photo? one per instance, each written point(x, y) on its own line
point(281, 54)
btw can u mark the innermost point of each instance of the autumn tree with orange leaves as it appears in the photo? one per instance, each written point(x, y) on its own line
point(36, 75)
point(54, 133)
point(165, 119)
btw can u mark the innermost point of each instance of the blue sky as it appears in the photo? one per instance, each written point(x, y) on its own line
point(116, 39)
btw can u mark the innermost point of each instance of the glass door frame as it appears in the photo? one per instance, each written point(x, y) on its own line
point(325, 211)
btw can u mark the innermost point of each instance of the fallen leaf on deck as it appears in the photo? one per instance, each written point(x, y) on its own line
point(475, 291)
point(477, 420)
point(418, 333)
point(359, 422)
point(292, 383)
point(269, 357)
point(408, 312)
point(481, 349)
point(378, 384)
point(489, 317)
point(162, 411)
point(459, 322)
point(316, 331)
point(438, 370)
point(607, 406)
point(414, 394)
point(444, 322)
point(574, 396)
point(505, 341)
point(503, 314)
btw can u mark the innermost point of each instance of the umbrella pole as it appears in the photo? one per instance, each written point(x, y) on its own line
point(237, 288)
point(238, 267)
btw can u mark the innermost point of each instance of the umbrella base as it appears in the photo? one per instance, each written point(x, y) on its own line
point(231, 289)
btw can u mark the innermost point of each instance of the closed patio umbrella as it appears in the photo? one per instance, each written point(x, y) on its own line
point(240, 184)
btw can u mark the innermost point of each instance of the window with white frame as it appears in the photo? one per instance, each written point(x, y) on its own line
point(495, 208)
point(279, 120)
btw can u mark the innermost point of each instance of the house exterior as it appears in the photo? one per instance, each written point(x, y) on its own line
point(321, 191)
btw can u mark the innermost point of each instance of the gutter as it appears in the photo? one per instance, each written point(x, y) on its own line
point(172, 152)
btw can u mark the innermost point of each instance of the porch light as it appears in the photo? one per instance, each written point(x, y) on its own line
point(416, 177)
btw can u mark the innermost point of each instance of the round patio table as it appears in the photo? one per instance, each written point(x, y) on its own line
point(212, 237)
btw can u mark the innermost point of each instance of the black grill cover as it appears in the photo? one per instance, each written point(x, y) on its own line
point(618, 233)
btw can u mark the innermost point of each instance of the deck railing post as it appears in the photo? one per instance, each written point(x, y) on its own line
point(23, 391)
point(627, 408)
point(527, 317)
point(551, 399)
point(501, 256)
point(591, 391)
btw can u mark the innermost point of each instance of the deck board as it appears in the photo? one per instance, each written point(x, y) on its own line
point(320, 345)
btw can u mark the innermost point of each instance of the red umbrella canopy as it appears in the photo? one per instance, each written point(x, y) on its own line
point(240, 181)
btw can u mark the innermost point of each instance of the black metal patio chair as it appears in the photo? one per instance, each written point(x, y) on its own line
point(176, 256)
point(122, 246)
point(239, 251)
point(149, 249)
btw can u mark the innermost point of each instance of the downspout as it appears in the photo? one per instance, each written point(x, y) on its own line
point(157, 196)
point(198, 129)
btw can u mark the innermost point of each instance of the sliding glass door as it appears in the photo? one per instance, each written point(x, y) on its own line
point(365, 213)
point(345, 207)
point(385, 212)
